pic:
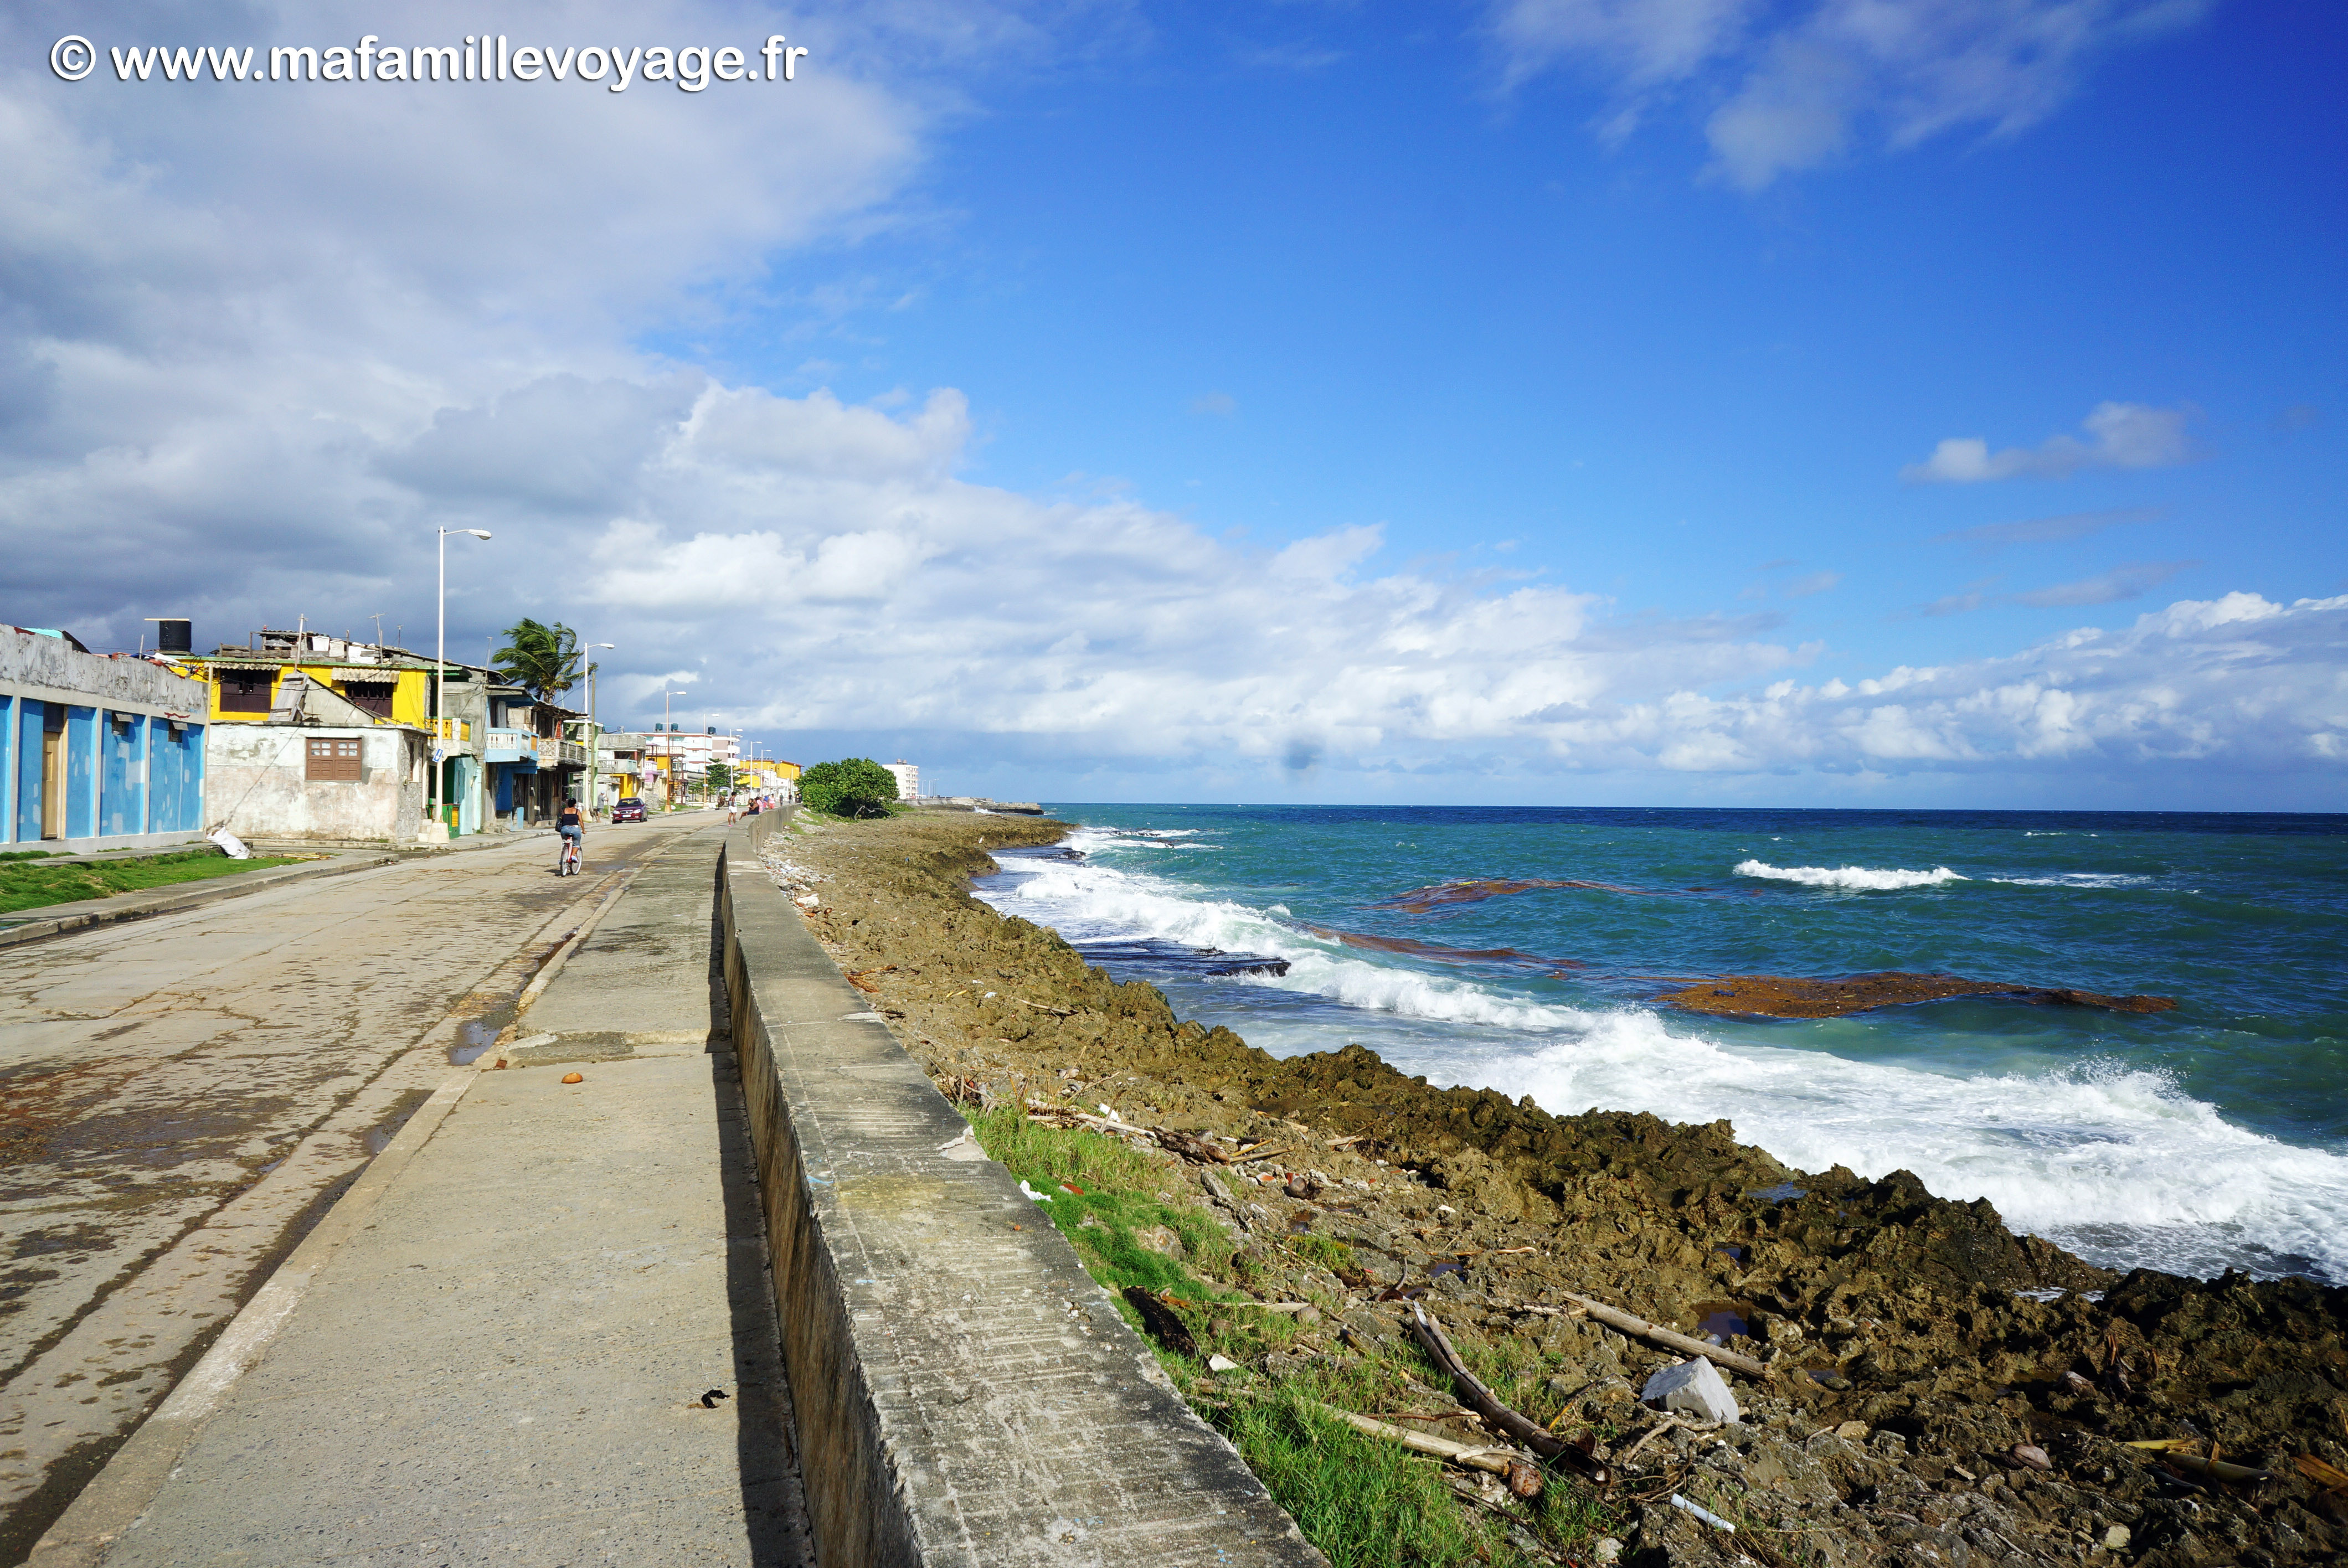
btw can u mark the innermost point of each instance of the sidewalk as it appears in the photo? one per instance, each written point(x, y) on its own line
point(46, 920)
point(495, 1347)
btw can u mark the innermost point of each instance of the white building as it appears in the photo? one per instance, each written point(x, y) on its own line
point(908, 779)
point(662, 761)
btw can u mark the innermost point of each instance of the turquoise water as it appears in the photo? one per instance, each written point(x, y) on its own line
point(2210, 1136)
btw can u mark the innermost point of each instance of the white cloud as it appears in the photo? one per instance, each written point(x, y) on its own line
point(2119, 436)
point(1789, 87)
point(2237, 683)
point(2130, 579)
point(254, 347)
point(1992, 536)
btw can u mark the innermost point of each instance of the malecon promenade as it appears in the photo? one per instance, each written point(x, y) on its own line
point(742, 1293)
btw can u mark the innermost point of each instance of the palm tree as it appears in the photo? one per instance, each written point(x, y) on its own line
point(542, 660)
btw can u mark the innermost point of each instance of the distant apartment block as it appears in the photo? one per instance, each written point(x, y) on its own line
point(908, 779)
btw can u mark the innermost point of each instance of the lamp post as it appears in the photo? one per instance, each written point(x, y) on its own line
point(440, 658)
point(668, 746)
point(594, 739)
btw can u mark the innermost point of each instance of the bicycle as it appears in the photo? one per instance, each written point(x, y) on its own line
point(567, 858)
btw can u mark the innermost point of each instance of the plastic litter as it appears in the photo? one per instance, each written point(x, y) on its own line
point(1693, 1388)
point(1684, 1506)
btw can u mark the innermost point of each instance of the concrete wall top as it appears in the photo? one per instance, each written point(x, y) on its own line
point(966, 1393)
point(53, 669)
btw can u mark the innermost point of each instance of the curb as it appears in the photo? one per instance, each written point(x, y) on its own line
point(141, 907)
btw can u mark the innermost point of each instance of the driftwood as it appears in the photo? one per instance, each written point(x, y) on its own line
point(1672, 1420)
point(1189, 1145)
point(2322, 1474)
point(2218, 1469)
point(1485, 1403)
point(1523, 1477)
point(1630, 1323)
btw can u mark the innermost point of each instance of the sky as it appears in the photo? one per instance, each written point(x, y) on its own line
point(1864, 403)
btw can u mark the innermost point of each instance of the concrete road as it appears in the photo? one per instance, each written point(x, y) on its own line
point(496, 1348)
point(184, 1096)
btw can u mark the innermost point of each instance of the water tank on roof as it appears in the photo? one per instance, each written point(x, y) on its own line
point(175, 636)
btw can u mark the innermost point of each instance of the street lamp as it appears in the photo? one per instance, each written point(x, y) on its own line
point(668, 744)
point(594, 739)
point(440, 658)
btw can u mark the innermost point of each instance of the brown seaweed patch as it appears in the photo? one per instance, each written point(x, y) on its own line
point(1475, 890)
point(1442, 953)
point(1784, 996)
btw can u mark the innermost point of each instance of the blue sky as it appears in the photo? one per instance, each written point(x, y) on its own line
point(1481, 402)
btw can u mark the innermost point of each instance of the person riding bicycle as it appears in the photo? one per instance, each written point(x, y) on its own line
point(572, 823)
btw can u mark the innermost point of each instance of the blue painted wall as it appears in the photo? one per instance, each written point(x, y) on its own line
point(187, 803)
point(28, 770)
point(7, 761)
point(118, 798)
point(168, 778)
point(81, 772)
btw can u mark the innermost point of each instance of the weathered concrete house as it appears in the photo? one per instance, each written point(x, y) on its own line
point(505, 760)
point(316, 739)
point(97, 751)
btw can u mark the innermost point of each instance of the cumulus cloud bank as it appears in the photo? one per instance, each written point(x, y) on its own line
point(1788, 87)
point(254, 348)
point(839, 541)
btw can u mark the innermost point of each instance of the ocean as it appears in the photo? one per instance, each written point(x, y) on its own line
point(2211, 1136)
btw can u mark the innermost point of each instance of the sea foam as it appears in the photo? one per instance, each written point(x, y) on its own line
point(1860, 879)
point(2115, 1162)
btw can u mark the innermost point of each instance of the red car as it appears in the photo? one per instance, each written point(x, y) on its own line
point(629, 810)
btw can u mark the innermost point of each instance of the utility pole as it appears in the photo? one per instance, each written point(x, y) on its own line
point(441, 660)
point(595, 736)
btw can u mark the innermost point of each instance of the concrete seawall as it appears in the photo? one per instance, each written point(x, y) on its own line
point(966, 1394)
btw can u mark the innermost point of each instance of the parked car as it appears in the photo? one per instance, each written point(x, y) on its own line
point(629, 810)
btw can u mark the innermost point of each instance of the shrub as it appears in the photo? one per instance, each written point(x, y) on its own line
point(854, 786)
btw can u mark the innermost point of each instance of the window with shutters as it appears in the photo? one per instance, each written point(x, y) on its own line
point(246, 691)
point(371, 696)
point(332, 761)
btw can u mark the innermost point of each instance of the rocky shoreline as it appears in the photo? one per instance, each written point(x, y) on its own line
point(1935, 1389)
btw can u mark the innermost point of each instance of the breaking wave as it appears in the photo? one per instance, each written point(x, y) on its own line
point(2116, 1163)
point(1860, 879)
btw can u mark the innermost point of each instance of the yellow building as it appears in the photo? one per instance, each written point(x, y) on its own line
point(388, 684)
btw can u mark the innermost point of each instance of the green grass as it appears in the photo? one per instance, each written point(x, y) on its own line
point(1118, 1194)
point(1365, 1503)
point(25, 885)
